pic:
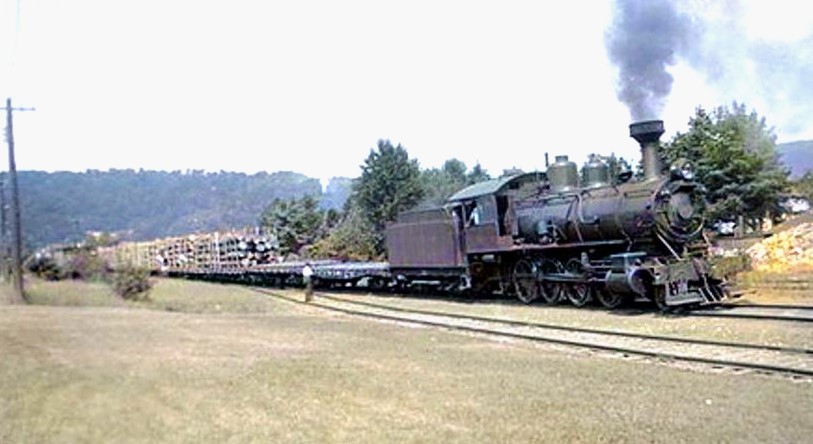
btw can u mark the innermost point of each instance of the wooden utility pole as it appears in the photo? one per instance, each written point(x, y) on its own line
point(5, 253)
point(16, 230)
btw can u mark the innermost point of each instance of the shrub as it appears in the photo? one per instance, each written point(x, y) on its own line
point(87, 266)
point(132, 283)
point(45, 267)
point(728, 266)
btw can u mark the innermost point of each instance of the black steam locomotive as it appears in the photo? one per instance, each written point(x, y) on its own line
point(557, 236)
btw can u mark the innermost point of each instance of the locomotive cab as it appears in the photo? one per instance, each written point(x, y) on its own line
point(488, 211)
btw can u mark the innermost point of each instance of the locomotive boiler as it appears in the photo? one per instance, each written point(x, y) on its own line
point(560, 236)
point(655, 213)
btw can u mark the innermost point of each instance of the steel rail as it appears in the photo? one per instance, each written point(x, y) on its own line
point(752, 316)
point(571, 329)
point(565, 342)
point(766, 306)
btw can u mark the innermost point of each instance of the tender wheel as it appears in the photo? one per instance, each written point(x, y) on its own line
point(551, 292)
point(376, 284)
point(525, 281)
point(580, 293)
point(611, 299)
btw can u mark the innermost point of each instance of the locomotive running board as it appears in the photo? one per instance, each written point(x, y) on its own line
point(536, 247)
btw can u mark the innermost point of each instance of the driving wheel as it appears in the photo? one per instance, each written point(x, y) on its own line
point(578, 293)
point(551, 292)
point(525, 282)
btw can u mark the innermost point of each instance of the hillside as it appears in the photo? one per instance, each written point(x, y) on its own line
point(797, 156)
point(63, 206)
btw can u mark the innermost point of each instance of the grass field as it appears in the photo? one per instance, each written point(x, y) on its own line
point(788, 287)
point(212, 363)
point(167, 295)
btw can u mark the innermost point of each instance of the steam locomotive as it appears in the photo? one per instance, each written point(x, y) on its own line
point(551, 236)
point(555, 236)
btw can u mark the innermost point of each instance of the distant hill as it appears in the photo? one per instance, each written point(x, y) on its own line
point(797, 156)
point(336, 193)
point(63, 206)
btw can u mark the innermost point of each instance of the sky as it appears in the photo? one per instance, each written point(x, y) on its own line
point(311, 86)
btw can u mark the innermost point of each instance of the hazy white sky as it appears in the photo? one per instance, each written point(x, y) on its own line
point(310, 86)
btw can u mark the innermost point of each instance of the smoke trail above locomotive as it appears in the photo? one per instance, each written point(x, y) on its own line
point(643, 40)
point(647, 37)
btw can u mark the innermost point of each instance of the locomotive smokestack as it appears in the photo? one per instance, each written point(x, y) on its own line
point(647, 134)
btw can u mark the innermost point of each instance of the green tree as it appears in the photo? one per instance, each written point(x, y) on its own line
point(351, 238)
point(477, 174)
point(295, 223)
point(132, 283)
point(619, 168)
point(734, 156)
point(440, 184)
point(389, 184)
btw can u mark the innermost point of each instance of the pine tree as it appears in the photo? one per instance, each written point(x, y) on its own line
point(734, 156)
point(389, 184)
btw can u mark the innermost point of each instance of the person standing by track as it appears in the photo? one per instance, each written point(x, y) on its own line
point(307, 278)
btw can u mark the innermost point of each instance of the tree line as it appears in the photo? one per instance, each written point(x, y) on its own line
point(62, 207)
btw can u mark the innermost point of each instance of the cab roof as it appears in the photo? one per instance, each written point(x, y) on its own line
point(496, 186)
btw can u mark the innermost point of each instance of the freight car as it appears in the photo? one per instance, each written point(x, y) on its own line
point(551, 236)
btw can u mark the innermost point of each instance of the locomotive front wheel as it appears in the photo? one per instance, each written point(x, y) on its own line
point(659, 297)
point(525, 282)
point(578, 293)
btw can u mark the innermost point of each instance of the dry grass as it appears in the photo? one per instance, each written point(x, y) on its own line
point(71, 293)
point(792, 286)
point(292, 374)
point(201, 297)
point(166, 295)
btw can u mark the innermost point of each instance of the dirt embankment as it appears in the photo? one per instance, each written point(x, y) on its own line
point(781, 264)
point(789, 249)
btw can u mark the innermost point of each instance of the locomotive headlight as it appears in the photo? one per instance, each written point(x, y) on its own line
point(687, 172)
point(682, 169)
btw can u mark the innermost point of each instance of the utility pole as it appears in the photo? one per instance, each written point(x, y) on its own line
point(16, 230)
point(5, 253)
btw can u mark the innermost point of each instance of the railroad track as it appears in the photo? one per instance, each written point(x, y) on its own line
point(769, 312)
point(733, 310)
point(790, 361)
point(768, 306)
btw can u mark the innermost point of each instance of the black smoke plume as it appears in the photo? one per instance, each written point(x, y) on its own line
point(647, 36)
point(644, 39)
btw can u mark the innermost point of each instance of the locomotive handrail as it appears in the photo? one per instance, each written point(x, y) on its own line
point(666, 244)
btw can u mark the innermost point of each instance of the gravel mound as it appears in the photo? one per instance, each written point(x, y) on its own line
point(789, 249)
